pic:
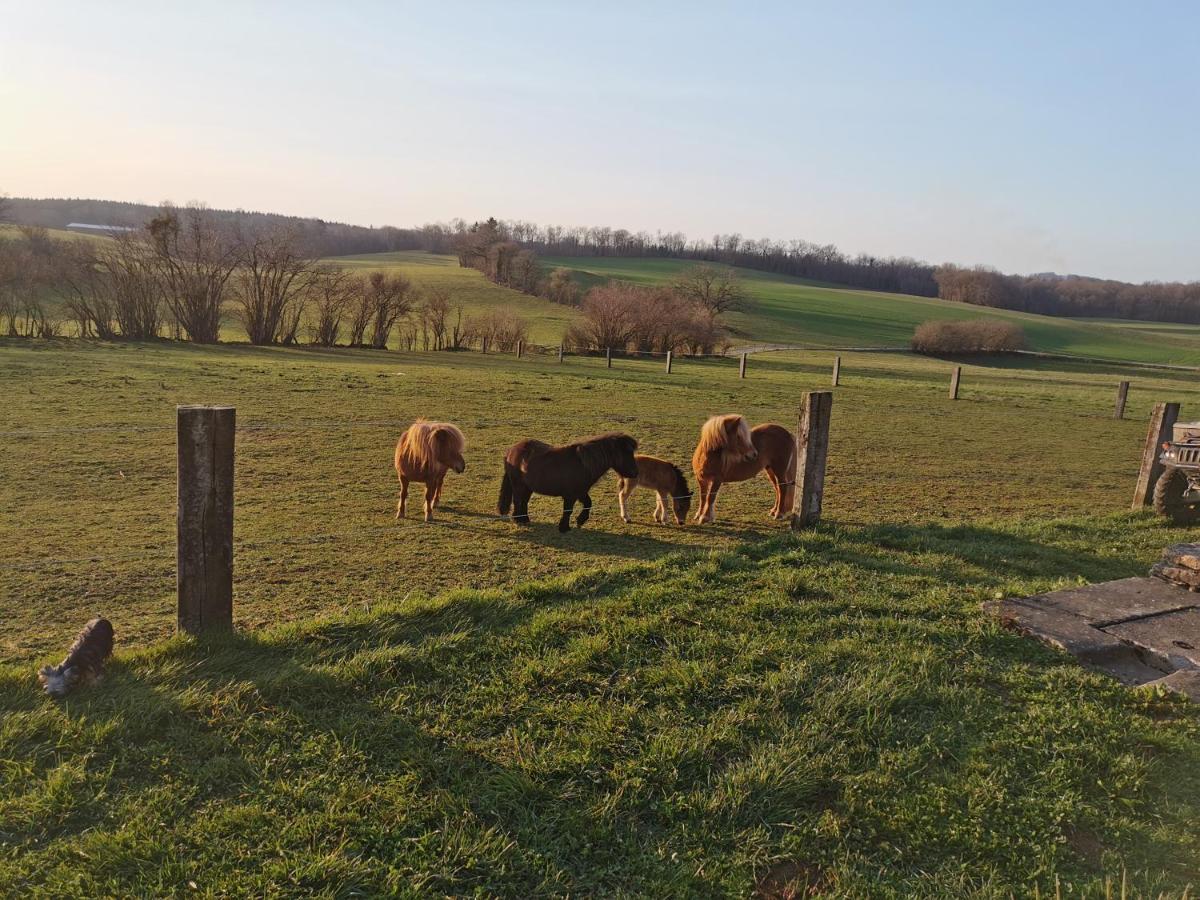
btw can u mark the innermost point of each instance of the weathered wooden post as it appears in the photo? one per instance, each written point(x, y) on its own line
point(812, 449)
point(608, 356)
point(742, 367)
point(837, 371)
point(955, 377)
point(483, 343)
point(560, 352)
point(1162, 423)
point(520, 348)
point(668, 362)
point(1122, 396)
point(204, 521)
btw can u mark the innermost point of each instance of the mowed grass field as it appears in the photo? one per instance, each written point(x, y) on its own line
point(792, 310)
point(465, 708)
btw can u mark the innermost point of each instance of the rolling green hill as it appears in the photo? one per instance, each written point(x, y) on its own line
point(794, 310)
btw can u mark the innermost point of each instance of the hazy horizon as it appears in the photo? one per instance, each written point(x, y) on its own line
point(1028, 139)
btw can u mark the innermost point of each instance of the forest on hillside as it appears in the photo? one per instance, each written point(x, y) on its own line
point(1045, 293)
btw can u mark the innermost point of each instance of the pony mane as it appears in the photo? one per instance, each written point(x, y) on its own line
point(420, 442)
point(599, 453)
point(681, 485)
point(713, 432)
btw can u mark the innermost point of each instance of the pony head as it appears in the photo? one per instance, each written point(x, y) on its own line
point(729, 435)
point(681, 499)
point(449, 443)
point(623, 462)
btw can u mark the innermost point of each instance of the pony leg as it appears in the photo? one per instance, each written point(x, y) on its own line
point(586, 512)
point(660, 509)
point(564, 524)
point(430, 502)
point(623, 493)
point(701, 500)
point(437, 492)
point(521, 495)
point(777, 508)
point(403, 502)
point(711, 512)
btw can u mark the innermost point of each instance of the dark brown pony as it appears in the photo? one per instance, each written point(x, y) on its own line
point(534, 467)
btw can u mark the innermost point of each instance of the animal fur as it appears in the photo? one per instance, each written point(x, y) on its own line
point(534, 467)
point(667, 482)
point(426, 452)
point(730, 451)
point(85, 660)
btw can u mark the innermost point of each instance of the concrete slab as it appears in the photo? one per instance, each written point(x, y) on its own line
point(1142, 631)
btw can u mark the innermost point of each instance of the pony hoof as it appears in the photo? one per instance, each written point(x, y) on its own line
point(563, 529)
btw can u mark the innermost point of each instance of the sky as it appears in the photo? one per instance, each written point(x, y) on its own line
point(1026, 136)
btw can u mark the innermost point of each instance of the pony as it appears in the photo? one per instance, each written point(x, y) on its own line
point(534, 467)
point(425, 453)
point(668, 483)
point(729, 450)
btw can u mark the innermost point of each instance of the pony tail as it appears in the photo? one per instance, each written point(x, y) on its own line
point(506, 494)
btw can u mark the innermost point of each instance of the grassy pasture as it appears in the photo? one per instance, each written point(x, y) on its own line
point(826, 713)
point(87, 437)
point(464, 708)
point(793, 310)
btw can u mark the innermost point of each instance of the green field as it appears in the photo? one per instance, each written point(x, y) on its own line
point(467, 708)
point(792, 310)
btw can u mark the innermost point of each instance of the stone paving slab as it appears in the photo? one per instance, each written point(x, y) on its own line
point(1141, 631)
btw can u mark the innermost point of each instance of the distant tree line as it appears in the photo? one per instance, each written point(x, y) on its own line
point(507, 251)
point(188, 271)
point(1071, 295)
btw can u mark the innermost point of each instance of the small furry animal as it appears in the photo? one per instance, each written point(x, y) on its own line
point(85, 660)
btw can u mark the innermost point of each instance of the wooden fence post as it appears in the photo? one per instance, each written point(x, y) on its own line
point(668, 362)
point(1162, 423)
point(812, 449)
point(204, 520)
point(483, 344)
point(1122, 396)
point(837, 371)
point(520, 348)
point(560, 352)
point(955, 377)
point(742, 367)
point(608, 356)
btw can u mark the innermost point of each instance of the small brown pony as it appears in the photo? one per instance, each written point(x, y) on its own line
point(665, 480)
point(534, 467)
point(731, 451)
point(424, 453)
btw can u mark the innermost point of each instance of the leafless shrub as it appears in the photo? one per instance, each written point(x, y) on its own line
point(972, 336)
point(270, 282)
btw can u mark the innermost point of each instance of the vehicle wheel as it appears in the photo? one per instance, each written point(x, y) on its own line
point(1168, 499)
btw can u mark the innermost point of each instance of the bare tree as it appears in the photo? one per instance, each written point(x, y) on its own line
point(609, 317)
point(377, 304)
point(270, 282)
point(330, 290)
point(435, 313)
point(714, 290)
point(196, 257)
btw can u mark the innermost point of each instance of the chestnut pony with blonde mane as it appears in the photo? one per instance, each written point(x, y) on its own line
point(425, 453)
point(729, 450)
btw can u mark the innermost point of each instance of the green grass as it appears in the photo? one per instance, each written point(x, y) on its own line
point(830, 707)
point(793, 310)
point(465, 708)
point(316, 492)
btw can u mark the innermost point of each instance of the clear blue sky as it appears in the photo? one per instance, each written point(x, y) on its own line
point(1029, 136)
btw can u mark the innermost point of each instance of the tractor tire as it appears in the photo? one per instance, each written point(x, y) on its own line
point(1168, 499)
